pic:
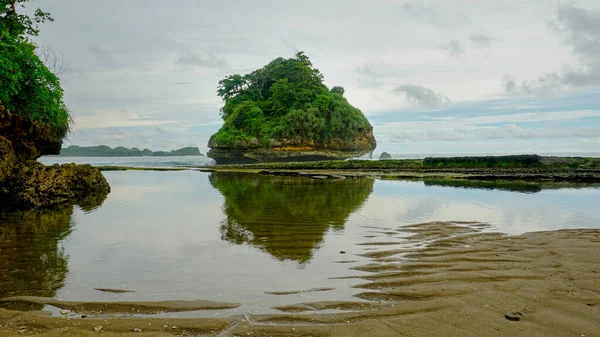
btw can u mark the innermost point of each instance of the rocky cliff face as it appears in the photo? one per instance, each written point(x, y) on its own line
point(25, 183)
point(294, 149)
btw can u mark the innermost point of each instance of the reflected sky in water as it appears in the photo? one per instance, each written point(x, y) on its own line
point(232, 237)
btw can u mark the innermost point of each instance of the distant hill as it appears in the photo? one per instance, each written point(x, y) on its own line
point(120, 151)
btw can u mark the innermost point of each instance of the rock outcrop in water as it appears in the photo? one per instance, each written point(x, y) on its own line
point(385, 155)
point(27, 184)
point(294, 149)
point(284, 112)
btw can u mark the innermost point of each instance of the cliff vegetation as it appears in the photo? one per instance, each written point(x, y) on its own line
point(27, 87)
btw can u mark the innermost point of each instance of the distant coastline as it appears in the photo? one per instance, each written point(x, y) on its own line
point(120, 151)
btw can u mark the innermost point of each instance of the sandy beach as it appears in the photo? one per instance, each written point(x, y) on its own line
point(458, 280)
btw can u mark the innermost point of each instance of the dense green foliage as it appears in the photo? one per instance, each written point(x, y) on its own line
point(27, 86)
point(478, 162)
point(120, 151)
point(285, 99)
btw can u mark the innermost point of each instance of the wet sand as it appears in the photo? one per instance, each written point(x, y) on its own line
point(454, 280)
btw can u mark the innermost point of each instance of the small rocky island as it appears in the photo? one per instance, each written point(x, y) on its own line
point(284, 112)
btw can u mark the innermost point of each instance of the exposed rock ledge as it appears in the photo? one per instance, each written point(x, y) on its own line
point(288, 150)
point(25, 183)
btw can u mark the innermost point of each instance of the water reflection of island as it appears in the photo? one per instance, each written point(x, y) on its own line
point(286, 217)
point(32, 260)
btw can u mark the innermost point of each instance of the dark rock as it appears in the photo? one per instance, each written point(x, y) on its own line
point(385, 155)
point(27, 184)
point(514, 315)
point(292, 150)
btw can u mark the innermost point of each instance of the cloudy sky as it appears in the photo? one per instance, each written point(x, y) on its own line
point(437, 76)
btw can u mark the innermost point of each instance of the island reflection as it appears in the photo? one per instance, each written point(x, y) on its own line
point(32, 260)
point(286, 217)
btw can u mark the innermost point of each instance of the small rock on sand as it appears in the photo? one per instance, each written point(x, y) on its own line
point(514, 315)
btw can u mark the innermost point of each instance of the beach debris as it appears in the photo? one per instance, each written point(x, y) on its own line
point(342, 252)
point(98, 328)
point(514, 315)
point(65, 312)
point(114, 291)
point(137, 330)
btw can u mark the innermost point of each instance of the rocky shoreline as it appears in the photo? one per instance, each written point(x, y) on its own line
point(28, 184)
point(292, 150)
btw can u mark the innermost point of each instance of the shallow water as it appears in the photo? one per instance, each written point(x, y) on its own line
point(237, 237)
point(175, 161)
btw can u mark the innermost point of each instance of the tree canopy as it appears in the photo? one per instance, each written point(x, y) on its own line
point(27, 86)
point(282, 100)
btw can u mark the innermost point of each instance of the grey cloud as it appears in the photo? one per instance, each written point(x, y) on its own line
point(422, 96)
point(510, 85)
point(454, 48)
point(580, 30)
point(202, 60)
point(369, 84)
point(103, 57)
point(372, 73)
point(508, 131)
point(514, 131)
point(377, 68)
point(480, 39)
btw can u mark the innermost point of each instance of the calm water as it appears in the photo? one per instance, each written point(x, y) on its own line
point(233, 237)
point(176, 161)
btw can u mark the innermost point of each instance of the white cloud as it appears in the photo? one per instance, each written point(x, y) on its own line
point(422, 96)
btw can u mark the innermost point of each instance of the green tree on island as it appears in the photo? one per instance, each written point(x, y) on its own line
point(286, 99)
point(27, 86)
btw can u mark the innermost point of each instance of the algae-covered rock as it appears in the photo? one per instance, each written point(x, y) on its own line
point(284, 112)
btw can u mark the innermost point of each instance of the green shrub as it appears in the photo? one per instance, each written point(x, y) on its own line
point(27, 87)
point(477, 162)
point(285, 99)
